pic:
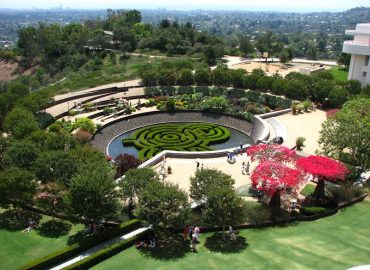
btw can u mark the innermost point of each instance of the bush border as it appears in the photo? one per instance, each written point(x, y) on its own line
point(72, 250)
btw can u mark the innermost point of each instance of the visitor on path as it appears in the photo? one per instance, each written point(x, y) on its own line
point(241, 147)
point(186, 232)
point(243, 168)
point(31, 225)
point(198, 164)
point(193, 244)
point(196, 233)
point(232, 234)
point(247, 167)
point(191, 234)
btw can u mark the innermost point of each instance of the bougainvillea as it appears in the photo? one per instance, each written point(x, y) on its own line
point(271, 152)
point(270, 177)
point(323, 167)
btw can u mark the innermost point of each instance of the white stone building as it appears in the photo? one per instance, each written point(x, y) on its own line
point(359, 48)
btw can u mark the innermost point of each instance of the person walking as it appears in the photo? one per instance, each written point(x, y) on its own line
point(243, 168)
point(247, 168)
point(186, 232)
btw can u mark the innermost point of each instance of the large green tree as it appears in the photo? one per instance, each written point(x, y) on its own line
point(206, 178)
point(135, 181)
point(55, 166)
point(92, 193)
point(17, 187)
point(345, 135)
point(223, 208)
point(20, 123)
point(163, 205)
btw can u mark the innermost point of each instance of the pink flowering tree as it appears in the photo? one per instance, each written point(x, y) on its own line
point(325, 169)
point(274, 178)
point(271, 152)
point(50, 198)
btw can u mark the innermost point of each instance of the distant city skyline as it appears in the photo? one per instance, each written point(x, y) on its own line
point(266, 5)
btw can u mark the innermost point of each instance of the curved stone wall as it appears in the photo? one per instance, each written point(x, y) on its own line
point(107, 133)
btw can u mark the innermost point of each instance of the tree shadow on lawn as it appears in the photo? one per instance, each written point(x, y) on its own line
point(17, 219)
point(78, 237)
point(169, 246)
point(217, 243)
point(54, 228)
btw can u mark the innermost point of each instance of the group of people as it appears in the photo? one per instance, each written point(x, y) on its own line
point(245, 168)
point(145, 243)
point(231, 157)
point(193, 233)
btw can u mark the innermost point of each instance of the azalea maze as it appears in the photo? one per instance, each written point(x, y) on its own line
point(179, 137)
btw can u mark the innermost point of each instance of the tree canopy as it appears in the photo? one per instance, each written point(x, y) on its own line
point(345, 136)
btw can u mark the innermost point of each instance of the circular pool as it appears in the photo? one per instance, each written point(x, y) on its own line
point(204, 137)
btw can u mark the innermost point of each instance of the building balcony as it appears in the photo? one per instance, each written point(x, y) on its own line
point(351, 47)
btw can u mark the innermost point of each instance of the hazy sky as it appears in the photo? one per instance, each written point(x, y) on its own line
point(270, 5)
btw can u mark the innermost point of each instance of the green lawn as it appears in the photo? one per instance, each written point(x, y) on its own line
point(18, 248)
point(339, 74)
point(337, 242)
point(308, 190)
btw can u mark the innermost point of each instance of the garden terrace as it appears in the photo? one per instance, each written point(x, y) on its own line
point(103, 137)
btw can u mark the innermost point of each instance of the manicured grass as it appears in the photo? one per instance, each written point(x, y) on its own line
point(308, 190)
point(18, 248)
point(339, 74)
point(337, 242)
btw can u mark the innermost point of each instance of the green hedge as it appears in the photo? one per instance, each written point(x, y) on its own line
point(73, 250)
point(312, 210)
point(105, 253)
point(151, 140)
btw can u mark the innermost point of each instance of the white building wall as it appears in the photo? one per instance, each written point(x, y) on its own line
point(359, 48)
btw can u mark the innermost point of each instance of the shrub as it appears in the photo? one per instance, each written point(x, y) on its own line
point(72, 113)
point(107, 110)
point(343, 193)
point(257, 213)
point(89, 107)
point(85, 124)
point(312, 210)
point(300, 142)
point(251, 108)
point(83, 136)
point(306, 105)
point(124, 163)
point(294, 108)
point(44, 119)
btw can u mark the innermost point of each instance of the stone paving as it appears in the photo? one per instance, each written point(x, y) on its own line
point(307, 125)
point(103, 138)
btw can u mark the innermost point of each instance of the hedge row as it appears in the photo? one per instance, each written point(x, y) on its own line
point(73, 250)
point(106, 253)
point(253, 96)
point(178, 137)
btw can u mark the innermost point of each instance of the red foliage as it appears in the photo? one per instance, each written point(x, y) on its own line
point(271, 176)
point(271, 152)
point(323, 167)
point(331, 113)
point(124, 163)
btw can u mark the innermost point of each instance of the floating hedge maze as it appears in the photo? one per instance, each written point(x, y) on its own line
point(179, 137)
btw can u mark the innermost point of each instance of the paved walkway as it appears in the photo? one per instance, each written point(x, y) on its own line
point(307, 125)
point(92, 250)
point(183, 169)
